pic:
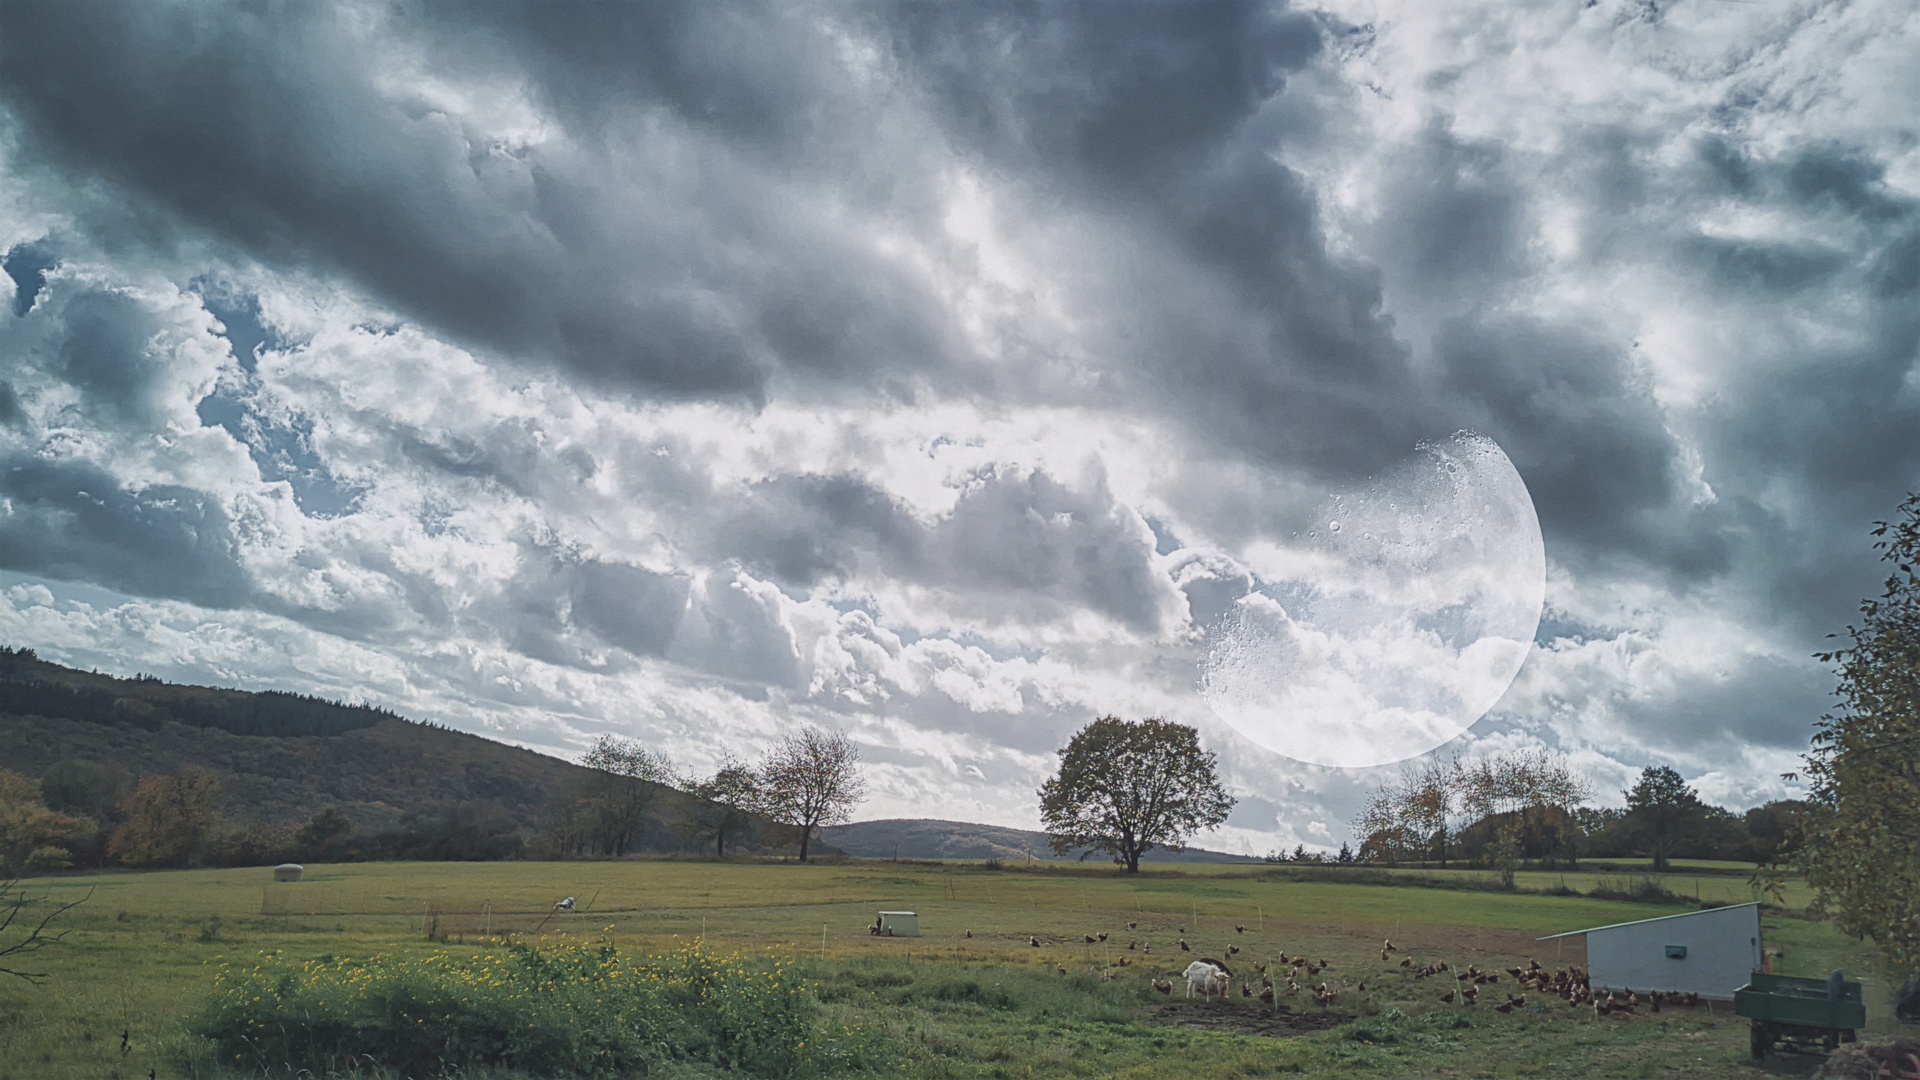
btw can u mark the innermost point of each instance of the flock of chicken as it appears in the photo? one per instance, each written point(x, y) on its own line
point(1570, 984)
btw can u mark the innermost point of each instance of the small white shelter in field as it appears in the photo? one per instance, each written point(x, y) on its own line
point(899, 924)
point(291, 871)
point(1710, 953)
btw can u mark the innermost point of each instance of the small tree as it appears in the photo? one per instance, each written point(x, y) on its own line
point(1661, 811)
point(1862, 847)
point(624, 779)
point(1124, 788)
point(810, 781)
point(723, 804)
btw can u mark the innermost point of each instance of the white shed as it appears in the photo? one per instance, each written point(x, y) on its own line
point(1710, 953)
point(898, 924)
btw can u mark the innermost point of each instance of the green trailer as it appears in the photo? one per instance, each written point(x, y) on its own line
point(1798, 1013)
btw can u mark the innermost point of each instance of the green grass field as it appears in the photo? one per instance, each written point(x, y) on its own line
point(141, 952)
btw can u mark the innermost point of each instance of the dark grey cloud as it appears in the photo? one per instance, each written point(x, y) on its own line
point(1037, 546)
point(268, 129)
point(76, 521)
point(27, 264)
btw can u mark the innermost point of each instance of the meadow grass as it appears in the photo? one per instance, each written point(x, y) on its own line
point(145, 950)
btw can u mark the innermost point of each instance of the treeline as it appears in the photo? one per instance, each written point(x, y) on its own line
point(1531, 809)
point(625, 799)
point(30, 686)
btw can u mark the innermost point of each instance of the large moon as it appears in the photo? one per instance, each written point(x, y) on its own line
point(1393, 624)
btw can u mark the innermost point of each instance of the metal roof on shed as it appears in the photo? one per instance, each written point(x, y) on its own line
point(1656, 918)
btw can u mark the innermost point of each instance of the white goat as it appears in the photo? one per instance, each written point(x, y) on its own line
point(1207, 976)
point(564, 905)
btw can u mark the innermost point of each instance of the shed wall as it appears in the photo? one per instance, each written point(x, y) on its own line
point(1723, 949)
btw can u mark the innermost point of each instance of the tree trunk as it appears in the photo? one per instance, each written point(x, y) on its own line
point(806, 835)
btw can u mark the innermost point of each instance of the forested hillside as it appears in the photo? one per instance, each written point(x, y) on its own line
point(296, 777)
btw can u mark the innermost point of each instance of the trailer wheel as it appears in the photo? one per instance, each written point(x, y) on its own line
point(1831, 1041)
point(1758, 1040)
point(1847, 1035)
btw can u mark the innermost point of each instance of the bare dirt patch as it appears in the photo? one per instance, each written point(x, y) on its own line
point(1242, 1020)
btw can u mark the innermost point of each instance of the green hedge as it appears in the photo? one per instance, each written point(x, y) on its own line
point(579, 1010)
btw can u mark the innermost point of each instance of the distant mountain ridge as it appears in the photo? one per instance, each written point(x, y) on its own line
point(929, 838)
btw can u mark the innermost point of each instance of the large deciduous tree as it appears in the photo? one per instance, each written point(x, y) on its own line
point(1125, 787)
point(1862, 849)
point(810, 781)
point(1662, 811)
point(171, 819)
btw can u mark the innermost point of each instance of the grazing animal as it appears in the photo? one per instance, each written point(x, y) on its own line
point(1163, 987)
point(1133, 926)
point(1131, 945)
point(1184, 947)
point(1233, 950)
point(1504, 1007)
point(1103, 937)
point(1033, 941)
point(564, 905)
point(1388, 946)
point(1447, 997)
point(1238, 929)
point(1060, 969)
point(1207, 977)
point(1383, 954)
point(1407, 962)
point(1123, 961)
point(1245, 990)
point(1090, 938)
point(969, 933)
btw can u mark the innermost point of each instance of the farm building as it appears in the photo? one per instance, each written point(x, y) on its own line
point(898, 924)
point(1711, 953)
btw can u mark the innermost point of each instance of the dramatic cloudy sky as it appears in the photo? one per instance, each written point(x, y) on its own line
point(943, 373)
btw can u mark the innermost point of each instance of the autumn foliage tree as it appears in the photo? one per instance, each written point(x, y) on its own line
point(1125, 787)
point(1862, 850)
point(172, 819)
point(810, 781)
point(32, 837)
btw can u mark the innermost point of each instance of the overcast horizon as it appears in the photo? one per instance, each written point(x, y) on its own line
point(945, 374)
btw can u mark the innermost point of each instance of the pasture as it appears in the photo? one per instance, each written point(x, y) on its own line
point(142, 952)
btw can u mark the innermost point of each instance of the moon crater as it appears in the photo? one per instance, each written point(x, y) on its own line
point(1394, 627)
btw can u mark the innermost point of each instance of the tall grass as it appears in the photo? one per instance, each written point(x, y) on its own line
point(578, 1010)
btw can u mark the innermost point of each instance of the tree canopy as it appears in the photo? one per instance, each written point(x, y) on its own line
point(810, 781)
point(1862, 850)
point(1661, 810)
point(1125, 787)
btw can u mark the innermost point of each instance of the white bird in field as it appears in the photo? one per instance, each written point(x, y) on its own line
point(564, 905)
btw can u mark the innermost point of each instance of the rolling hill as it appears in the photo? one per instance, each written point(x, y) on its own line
point(921, 838)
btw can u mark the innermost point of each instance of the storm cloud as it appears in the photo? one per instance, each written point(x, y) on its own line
point(941, 372)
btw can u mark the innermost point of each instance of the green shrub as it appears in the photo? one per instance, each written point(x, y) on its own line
point(571, 1011)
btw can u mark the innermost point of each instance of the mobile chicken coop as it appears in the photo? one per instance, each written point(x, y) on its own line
point(897, 924)
point(1711, 953)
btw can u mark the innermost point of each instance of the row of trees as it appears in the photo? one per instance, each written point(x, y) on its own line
point(92, 813)
point(806, 782)
point(1526, 800)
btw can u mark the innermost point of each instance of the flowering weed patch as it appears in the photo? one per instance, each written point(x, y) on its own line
point(578, 1010)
